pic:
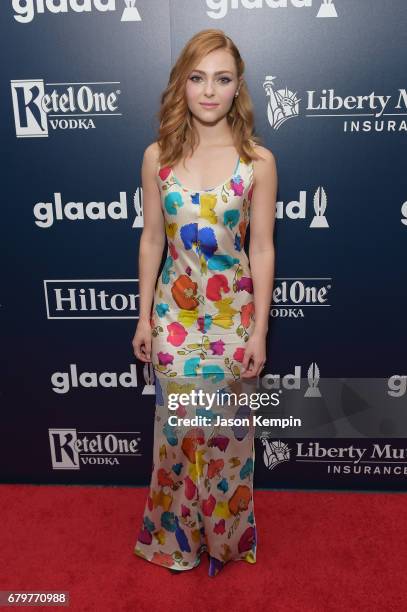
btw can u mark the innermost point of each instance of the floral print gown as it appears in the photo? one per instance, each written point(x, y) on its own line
point(201, 491)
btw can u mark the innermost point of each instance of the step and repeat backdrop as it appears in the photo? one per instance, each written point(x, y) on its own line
point(81, 82)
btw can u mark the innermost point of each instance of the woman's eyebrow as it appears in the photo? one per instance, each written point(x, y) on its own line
point(217, 72)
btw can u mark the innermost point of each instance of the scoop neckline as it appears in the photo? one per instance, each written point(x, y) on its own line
point(211, 188)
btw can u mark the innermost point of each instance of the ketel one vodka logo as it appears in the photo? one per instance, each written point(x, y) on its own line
point(26, 10)
point(70, 449)
point(62, 106)
point(291, 296)
point(275, 452)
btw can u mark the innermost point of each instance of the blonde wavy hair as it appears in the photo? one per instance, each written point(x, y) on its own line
point(174, 116)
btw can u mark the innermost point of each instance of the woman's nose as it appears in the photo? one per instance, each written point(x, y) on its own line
point(209, 87)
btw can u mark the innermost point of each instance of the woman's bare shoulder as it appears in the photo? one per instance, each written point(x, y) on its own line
point(152, 152)
point(265, 153)
point(151, 159)
point(266, 166)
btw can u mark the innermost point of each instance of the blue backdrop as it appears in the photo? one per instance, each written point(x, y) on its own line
point(81, 83)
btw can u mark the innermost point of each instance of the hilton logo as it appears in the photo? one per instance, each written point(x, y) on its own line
point(84, 299)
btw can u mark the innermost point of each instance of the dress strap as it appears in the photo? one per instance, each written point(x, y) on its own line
point(250, 171)
point(237, 165)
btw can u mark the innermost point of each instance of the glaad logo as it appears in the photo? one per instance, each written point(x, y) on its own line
point(149, 377)
point(297, 209)
point(70, 449)
point(292, 382)
point(63, 382)
point(327, 9)
point(81, 299)
point(397, 385)
point(284, 104)
point(26, 10)
point(46, 213)
point(290, 296)
point(220, 8)
point(313, 380)
point(274, 453)
point(69, 106)
point(130, 12)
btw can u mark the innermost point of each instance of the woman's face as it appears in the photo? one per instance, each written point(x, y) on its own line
point(214, 81)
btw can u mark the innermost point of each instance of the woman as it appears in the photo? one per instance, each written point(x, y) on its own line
point(209, 321)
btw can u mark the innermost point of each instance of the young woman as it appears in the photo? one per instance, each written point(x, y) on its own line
point(203, 180)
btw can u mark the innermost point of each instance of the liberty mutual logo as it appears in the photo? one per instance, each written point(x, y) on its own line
point(283, 103)
point(356, 112)
point(275, 452)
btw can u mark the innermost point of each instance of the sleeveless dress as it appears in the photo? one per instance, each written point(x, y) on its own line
point(201, 491)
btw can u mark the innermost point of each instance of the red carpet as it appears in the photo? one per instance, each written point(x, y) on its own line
point(316, 552)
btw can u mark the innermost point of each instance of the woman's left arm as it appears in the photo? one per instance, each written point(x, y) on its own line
point(261, 257)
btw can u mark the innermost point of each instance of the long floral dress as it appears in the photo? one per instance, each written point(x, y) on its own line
point(201, 491)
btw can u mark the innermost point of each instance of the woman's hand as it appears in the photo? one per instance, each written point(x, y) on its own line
point(142, 341)
point(254, 355)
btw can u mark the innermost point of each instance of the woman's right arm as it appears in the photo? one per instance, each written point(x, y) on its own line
point(152, 243)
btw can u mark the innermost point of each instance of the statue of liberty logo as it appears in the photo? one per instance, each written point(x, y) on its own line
point(283, 103)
